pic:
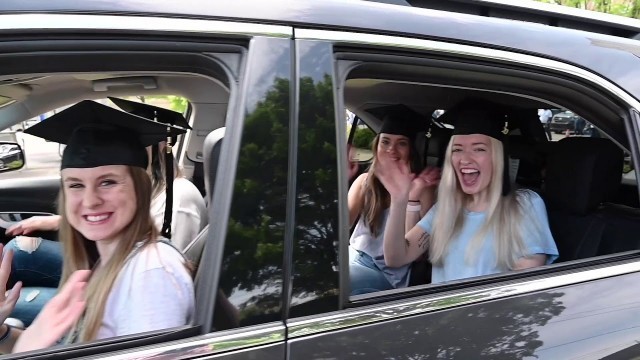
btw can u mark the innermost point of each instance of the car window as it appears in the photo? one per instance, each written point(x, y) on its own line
point(362, 140)
point(37, 185)
point(534, 166)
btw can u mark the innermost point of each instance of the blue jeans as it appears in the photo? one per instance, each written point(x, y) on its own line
point(364, 275)
point(40, 271)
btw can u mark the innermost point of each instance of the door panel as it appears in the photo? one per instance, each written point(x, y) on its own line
point(268, 352)
point(30, 194)
point(21, 198)
point(592, 319)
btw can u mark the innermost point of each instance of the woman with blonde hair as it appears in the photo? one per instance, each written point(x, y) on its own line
point(478, 226)
point(139, 282)
point(368, 201)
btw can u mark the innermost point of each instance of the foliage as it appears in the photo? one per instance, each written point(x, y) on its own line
point(628, 8)
point(173, 102)
point(363, 138)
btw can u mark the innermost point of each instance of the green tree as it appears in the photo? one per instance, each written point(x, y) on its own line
point(628, 8)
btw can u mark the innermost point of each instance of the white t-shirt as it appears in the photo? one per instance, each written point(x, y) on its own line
point(153, 291)
point(545, 115)
point(189, 212)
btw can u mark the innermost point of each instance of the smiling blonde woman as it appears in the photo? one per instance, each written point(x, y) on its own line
point(479, 226)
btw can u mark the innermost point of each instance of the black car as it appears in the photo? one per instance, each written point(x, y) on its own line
point(273, 80)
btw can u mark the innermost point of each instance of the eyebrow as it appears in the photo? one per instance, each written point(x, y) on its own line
point(472, 144)
point(108, 175)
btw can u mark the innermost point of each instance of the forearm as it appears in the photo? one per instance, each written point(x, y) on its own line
point(394, 242)
point(411, 218)
point(427, 199)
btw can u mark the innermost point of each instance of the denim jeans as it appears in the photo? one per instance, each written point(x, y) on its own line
point(364, 275)
point(39, 270)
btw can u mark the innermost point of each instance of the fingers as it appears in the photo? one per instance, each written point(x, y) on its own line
point(14, 294)
point(71, 289)
point(5, 270)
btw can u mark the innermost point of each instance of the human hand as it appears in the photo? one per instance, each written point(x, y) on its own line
point(34, 223)
point(9, 298)
point(57, 316)
point(395, 176)
point(429, 177)
point(352, 164)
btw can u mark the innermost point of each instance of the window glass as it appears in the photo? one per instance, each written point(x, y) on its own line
point(548, 166)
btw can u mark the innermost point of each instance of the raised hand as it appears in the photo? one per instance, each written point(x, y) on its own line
point(396, 177)
point(34, 223)
point(7, 299)
point(353, 165)
point(429, 177)
point(57, 316)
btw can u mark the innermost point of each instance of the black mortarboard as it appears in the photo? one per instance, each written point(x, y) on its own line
point(98, 135)
point(164, 116)
point(478, 116)
point(151, 112)
point(400, 120)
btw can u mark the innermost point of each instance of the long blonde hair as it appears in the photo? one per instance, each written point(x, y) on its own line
point(82, 254)
point(376, 197)
point(504, 214)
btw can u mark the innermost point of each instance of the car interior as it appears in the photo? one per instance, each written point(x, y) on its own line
point(27, 97)
point(592, 211)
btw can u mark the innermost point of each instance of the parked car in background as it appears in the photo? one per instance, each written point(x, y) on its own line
point(566, 120)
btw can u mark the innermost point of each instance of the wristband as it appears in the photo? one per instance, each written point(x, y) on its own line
point(414, 208)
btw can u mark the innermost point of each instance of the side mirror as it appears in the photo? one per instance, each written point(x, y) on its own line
point(11, 156)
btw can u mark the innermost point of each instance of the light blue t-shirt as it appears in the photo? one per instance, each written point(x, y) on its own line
point(457, 264)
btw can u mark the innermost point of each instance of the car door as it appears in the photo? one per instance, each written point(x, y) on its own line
point(235, 317)
point(584, 308)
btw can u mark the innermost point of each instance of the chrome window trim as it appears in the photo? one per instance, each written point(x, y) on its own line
point(435, 302)
point(35, 21)
point(210, 344)
point(343, 37)
point(566, 12)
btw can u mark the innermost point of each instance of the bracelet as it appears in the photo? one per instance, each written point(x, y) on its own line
point(5, 336)
point(414, 208)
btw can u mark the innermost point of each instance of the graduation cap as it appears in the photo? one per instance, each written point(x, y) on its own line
point(151, 112)
point(478, 116)
point(98, 135)
point(399, 119)
point(164, 116)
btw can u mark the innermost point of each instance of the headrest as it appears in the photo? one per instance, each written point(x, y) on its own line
point(211, 152)
point(582, 173)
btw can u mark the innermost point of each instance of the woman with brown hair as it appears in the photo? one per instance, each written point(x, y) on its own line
point(369, 201)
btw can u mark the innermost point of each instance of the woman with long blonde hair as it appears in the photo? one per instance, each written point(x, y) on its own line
point(368, 201)
point(478, 226)
point(138, 282)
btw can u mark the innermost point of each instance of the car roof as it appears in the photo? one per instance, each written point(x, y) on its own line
point(587, 49)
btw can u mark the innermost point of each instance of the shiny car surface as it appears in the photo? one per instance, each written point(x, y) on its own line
point(274, 80)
